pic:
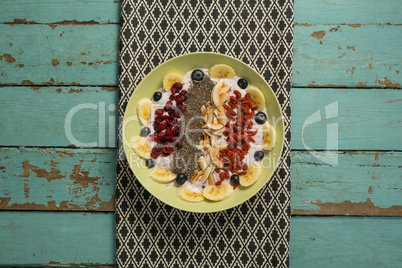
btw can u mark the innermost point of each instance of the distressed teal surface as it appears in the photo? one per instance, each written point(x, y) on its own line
point(51, 11)
point(36, 46)
point(37, 117)
point(43, 238)
point(357, 177)
point(46, 52)
point(366, 56)
point(345, 242)
point(347, 11)
point(57, 179)
point(368, 119)
point(106, 11)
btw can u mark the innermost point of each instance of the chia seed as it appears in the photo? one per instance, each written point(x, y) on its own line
point(185, 160)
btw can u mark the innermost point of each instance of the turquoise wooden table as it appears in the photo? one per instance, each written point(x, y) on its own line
point(57, 198)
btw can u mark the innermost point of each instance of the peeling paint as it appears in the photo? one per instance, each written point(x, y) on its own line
point(61, 34)
point(54, 174)
point(351, 47)
point(53, 26)
point(318, 34)
point(302, 24)
point(21, 65)
point(351, 208)
point(110, 89)
point(69, 63)
point(81, 177)
point(20, 21)
point(26, 190)
point(334, 29)
point(55, 62)
point(75, 91)
point(339, 47)
point(377, 155)
point(27, 82)
point(355, 25)
point(360, 84)
point(53, 164)
point(59, 90)
point(392, 101)
point(370, 65)
point(75, 84)
point(8, 58)
point(387, 83)
point(106, 62)
point(65, 153)
point(3, 168)
point(370, 190)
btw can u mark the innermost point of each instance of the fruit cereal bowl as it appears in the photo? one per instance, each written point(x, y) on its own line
point(231, 100)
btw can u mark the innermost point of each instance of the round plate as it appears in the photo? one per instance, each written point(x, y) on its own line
point(152, 82)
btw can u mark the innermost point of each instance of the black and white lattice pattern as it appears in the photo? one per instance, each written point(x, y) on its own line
point(152, 234)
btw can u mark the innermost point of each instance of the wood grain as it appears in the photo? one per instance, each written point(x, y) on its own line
point(62, 11)
point(53, 239)
point(42, 55)
point(88, 239)
point(346, 56)
point(345, 242)
point(26, 108)
point(57, 179)
point(39, 116)
point(59, 54)
point(367, 119)
point(107, 11)
point(363, 183)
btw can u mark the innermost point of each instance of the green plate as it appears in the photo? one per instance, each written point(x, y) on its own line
point(153, 81)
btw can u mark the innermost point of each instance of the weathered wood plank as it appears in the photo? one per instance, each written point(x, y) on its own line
point(362, 183)
point(345, 242)
point(57, 179)
point(59, 54)
point(345, 56)
point(88, 238)
point(368, 119)
point(20, 107)
point(64, 11)
point(38, 116)
point(347, 11)
point(107, 11)
point(52, 239)
point(356, 57)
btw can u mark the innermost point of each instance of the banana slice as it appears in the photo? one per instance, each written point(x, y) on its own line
point(268, 136)
point(222, 71)
point(253, 174)
point(140, 146)
point(186, 194)
point(217, 193)
point(257, 97)
point(162, 175)
point(170, 79)
point(144, 110)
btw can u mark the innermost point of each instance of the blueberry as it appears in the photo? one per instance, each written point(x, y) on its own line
point(181, 178)
point(260, 118)
point(234, 179)
point(259, 155)
point(145, 132)
point(197, 75)
point(157, 96)
point(150, 163)
point(242, 83)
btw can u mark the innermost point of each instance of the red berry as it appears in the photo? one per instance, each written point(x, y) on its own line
point(183, 92)
point(176, 131)
point(158, 112)
point(182, 107)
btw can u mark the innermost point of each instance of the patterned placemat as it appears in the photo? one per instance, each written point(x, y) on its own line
point(150, 233)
